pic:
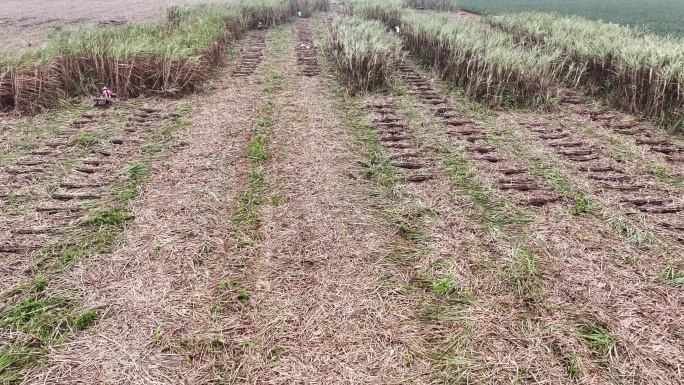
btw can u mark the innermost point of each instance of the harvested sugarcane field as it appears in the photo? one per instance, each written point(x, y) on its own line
point(338, 192)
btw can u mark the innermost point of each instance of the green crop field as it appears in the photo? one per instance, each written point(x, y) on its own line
point(663, 17)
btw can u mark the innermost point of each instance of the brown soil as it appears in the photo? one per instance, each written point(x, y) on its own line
point(30, 22)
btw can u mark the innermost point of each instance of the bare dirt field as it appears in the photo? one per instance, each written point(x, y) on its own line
point(24, 22)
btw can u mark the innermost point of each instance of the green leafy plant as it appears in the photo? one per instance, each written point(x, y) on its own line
point(582, 205)
point(85, 319)
point(443, 286)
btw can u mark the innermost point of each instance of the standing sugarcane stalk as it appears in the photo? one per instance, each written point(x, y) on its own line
point(489, 65)
point(636, 71)
point(363, 52)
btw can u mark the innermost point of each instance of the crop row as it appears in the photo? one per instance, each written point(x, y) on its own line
point(134, 59)
point(488, 64)
point(638, 72)
point(525, 59)
point(362, 52)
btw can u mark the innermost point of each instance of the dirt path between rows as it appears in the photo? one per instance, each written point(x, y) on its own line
point(318, 316)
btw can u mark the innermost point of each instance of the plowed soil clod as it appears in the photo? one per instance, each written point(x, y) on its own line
point(395, 138)
point(665, 149)
point(540, 201)
point(584, 158)
point(75, 186)
point(621, 187)
point(491, 159)
point(653, 141)
point(554, 136)
point(567, 144)
point(576, 152)
point(474, 138)
point(512, 171)
point(623, 125)
point(398, 145)
point(611, 178)
point(465, 132)
point(459, 122)
point(86, 170)
point(599, 168)
point(83, 196)
point(661, 209)
point(36, 230)
point(546, 130)
point(55, 210)
point(420, 178)
point(482, 150)
point(26, 170)
point(405, 155)
point(15, 249)
point(519, 186)
point(672, 226)
point(645, 201)
point(408, 165)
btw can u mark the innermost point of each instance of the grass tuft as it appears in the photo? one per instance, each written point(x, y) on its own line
point(85, 319)
point(671, 274)
point(113, 217)
point(633, 234)
point(443, 286)
point(13, 361)
point(599, 339)
point(85, 140)
point(257, 150)
point(44, 319)
point(523, 272)
point(570, 362)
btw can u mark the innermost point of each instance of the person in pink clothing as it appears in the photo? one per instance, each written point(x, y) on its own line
point(107, 96)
